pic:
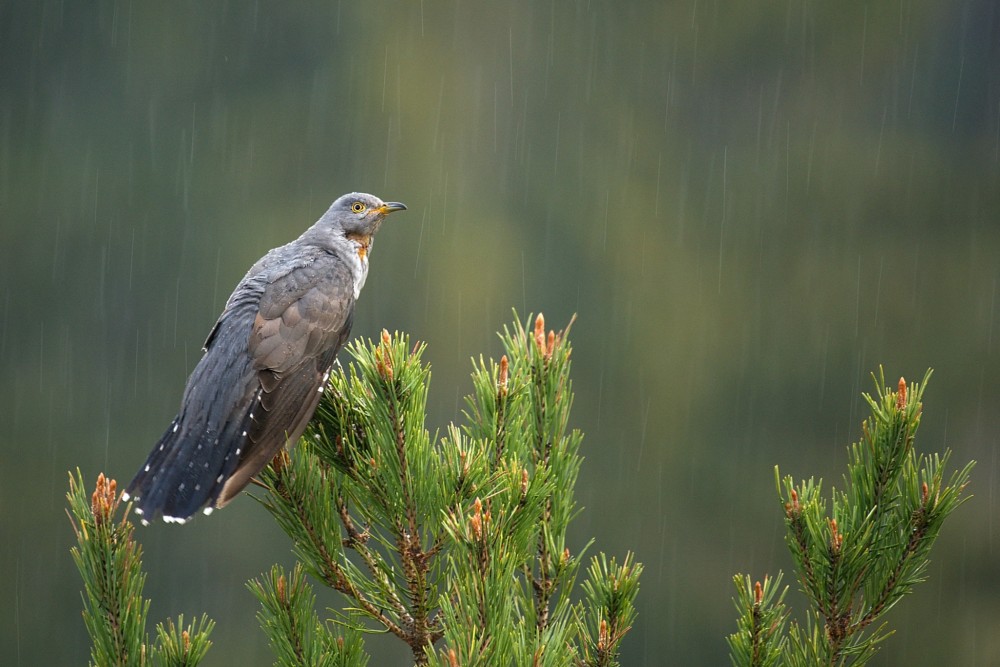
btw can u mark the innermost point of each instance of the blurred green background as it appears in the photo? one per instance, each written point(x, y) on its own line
point(750, 206)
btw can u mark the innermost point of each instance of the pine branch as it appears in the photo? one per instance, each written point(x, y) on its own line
point(609, 593)
point(110, 563)
point(295, 484)
point(408, 541)
point(759, 640)
point(178, 645)
point(357, 541)
point(858, 563)
point(297, 636)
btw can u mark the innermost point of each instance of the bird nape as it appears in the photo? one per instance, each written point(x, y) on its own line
point(266, 362)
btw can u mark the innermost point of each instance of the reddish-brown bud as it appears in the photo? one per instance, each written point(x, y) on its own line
point(540, 332)
point(901, 395)
point(476, 520)
point(383, 357)
point(758, 593)
point(924, 493)
point(550, 346)
point(524, 482)
point(280, 590)
point(836, 539)
point(502, 382)
point(104, 500)
point(452, 658)
point(281, 460)
point(602, 636)
point(186, 640)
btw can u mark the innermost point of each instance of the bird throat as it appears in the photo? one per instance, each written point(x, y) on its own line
point(362, 246)
point(364, 243)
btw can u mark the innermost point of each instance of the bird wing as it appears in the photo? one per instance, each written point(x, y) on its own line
point(201, 447)
point(303, 319)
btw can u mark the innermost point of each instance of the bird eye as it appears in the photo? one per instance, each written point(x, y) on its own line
point(357, 207)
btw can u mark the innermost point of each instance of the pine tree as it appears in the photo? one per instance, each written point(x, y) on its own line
point(455, 544)
point(855, 563)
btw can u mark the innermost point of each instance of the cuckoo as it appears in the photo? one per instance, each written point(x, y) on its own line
point(265, 365)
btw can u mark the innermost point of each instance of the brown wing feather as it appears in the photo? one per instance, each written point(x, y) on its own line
point(302, 323)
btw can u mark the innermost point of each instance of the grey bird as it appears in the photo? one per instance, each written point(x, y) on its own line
point(266, 362)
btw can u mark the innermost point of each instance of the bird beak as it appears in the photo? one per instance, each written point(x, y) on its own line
point(391, 206)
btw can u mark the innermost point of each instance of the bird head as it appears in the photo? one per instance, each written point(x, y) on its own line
point(360, 214)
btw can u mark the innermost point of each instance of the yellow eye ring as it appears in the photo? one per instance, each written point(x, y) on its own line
point(357, 207)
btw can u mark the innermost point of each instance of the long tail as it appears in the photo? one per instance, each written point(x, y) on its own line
point(201, 448)
point(187, 469)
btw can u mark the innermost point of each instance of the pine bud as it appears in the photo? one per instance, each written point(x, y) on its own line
point(281, 461)
point(524, 482)
point(551, 346)
point(383, 358)
point(540, 332)
point(280, 590)
point(602, 636)
point(924, 494)
point(836, 539)
point(186, 641)
point(758, 594)
point(901, 395)
point(476, 523)
point(502, 382)
point(104, 500)
point(476, 520)
point(792, 509)
point(452, 658)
